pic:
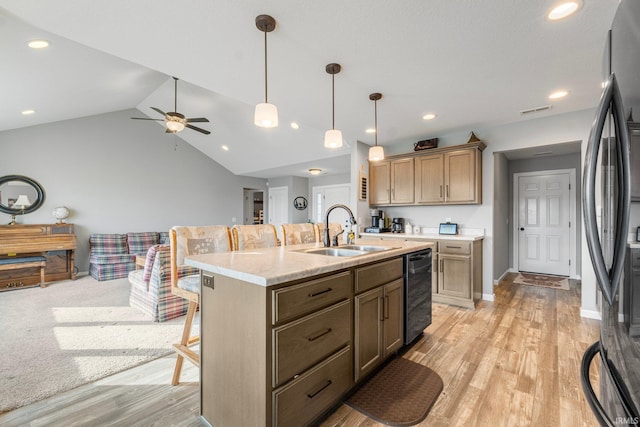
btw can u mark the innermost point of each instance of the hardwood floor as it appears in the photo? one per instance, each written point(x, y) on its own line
point(511, 362)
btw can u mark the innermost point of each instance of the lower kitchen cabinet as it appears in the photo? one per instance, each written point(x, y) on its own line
point(458, 266)
point(379, 314)
point(632, 292)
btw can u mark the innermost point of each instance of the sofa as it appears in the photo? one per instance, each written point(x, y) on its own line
point(113, 256)
point(151, 286)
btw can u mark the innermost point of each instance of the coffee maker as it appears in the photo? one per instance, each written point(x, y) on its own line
point(397, 225)
point(377, 222)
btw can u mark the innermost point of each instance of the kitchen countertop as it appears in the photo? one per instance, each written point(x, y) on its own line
point(427, 236)
point(272, 266)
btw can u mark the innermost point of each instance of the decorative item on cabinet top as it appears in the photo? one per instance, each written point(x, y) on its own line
point(425, 144)
point(473, 138)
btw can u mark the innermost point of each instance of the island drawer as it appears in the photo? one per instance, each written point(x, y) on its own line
point(301, 344)
point(454, 248)
point(297, 300)
point(378, 274)
point(301, 401)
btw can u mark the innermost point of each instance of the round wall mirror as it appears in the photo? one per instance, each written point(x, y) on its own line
point(19, 195)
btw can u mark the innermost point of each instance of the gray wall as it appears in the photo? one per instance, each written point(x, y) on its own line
point(297, 187)
point(119, 175)
point(501, 215)
point(570, 161)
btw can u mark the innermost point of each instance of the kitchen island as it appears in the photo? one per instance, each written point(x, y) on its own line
point(285, 334)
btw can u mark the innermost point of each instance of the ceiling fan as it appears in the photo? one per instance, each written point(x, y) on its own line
point(175, 121)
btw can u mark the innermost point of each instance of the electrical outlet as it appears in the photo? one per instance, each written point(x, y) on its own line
point(447, 220)
point(207, 281)
point(233, 219)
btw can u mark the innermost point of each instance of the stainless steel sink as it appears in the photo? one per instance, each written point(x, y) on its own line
point(366, 248)
point(333, 251)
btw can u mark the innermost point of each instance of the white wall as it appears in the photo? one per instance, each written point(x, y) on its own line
point(119, 175)
point(529, 133)
point(501, 215)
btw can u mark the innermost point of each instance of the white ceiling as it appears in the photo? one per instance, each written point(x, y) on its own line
point(475, 63)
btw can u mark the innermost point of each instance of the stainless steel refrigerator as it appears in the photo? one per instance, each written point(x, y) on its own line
point(606, 205)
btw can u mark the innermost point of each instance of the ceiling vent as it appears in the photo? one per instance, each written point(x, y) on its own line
point(536, 109)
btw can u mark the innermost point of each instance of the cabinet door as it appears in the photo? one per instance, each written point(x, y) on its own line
point(429, 179)
point(380, 182)
point(460, 176)
point(402, 176)
point(393, 309)
point(454, 276)
point(368, 331)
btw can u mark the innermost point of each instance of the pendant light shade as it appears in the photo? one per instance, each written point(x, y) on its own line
point(376, 152)
point(333, 137)
point(266, 115)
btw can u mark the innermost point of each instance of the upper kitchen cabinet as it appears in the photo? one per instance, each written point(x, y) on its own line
point(438, 176)
point(392, 181)
point(634, 133)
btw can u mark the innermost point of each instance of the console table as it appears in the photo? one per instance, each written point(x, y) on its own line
point(56, 242)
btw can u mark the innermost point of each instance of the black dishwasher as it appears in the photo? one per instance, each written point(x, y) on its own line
point(417, 293)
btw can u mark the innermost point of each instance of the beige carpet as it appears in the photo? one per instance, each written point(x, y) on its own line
point(556, 282)
point(70, 333)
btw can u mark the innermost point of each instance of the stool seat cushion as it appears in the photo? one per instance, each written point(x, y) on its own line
point(190, 283)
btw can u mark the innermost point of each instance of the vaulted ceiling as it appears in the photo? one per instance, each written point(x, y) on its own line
point(474, 63)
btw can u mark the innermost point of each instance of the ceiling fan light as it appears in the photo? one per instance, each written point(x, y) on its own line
point(333, 138)
point(266, 115)
point(376, 153)
point(175, 126)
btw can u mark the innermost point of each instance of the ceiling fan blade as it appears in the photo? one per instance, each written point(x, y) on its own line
point(206, 132)
point(158, 110)
point(198, 120)
point(145, 118)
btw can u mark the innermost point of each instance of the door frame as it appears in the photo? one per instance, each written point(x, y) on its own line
point(321, 188)
point(572, 215)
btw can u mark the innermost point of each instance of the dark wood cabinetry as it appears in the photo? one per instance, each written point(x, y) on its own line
point(56, 242)
point(632, 291)
point(634, 133)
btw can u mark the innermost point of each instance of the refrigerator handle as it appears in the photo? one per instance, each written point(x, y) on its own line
point(590, 395)
point(608, 283)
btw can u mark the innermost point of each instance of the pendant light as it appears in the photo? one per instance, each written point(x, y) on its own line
point(376, 152)
point(333, 137)
point(266, 115)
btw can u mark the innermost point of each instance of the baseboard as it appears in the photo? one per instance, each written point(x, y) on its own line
point(82, 274)
point(497, 281)
point(590, 314)
point(488, 297)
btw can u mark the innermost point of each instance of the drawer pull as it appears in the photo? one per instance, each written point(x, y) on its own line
point(454, 247)
point(312, 395)
point(320, 293)
point(320, 335)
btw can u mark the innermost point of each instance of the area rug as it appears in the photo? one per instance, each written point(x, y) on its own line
point(556, 282)
point(401, 394)
point(70, 333)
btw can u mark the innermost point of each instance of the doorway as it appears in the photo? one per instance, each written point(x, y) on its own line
point(545, 222)
point(253, 207)
point(278, 208)
point(325, 196)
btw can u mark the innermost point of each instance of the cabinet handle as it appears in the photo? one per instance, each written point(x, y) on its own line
point(312, 395)
point(386, 306)
point(320, 335)
point(441, 265)
point(441, 191)
point(447, 191)
point(320, 293)
point(381, 305)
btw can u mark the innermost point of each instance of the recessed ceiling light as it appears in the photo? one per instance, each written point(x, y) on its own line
point(558, 94)
point(429, 116)
point(370, 130)
point(315, 171)
point(564, 9)
point(38, 44)
point(294, 125)
point(225, 148)
point(27, 112)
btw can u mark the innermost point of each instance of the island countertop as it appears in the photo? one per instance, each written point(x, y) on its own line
point(272, 266)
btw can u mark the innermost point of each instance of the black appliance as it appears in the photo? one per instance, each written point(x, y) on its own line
point(397, 225)
point(377, 223)
point(606, 180)
point(417, 293)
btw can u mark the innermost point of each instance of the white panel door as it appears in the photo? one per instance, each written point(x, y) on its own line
point(543, 219)
point(278, 208)
point(326, 196)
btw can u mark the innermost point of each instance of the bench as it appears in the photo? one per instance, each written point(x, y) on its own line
point(24, 262)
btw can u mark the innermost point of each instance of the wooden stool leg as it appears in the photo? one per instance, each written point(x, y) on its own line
point(184, 342)
point(42, 284)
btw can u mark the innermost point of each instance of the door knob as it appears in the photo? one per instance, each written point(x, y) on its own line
point(521, 228)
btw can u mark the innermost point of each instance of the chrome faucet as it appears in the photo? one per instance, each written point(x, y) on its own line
point(352, 220)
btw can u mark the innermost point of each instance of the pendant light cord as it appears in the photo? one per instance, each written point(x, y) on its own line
point(266, 99)
point(175, 94)
point(333, 101)
point(375, 109)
